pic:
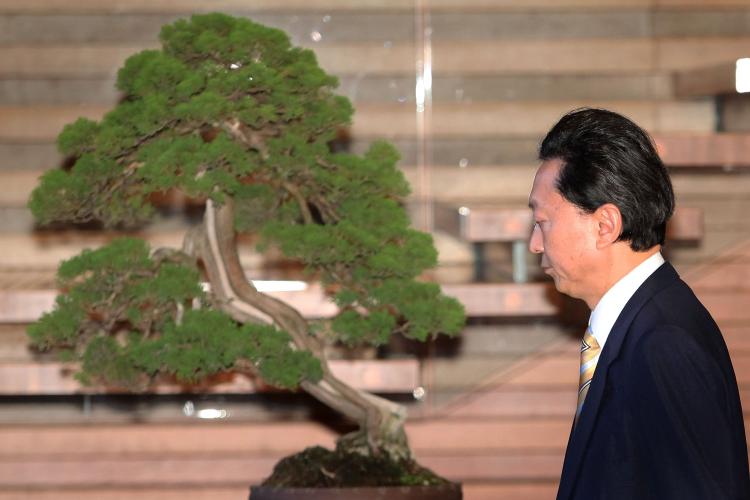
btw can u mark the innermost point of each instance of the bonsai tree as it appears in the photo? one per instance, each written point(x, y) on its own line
point(230, 114)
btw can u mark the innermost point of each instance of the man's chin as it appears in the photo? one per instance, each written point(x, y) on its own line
point(560, 285)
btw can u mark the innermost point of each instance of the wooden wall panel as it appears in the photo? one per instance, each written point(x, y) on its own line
point(503, 72)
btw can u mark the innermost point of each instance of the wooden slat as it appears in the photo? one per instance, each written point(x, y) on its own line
point(702, 82)
point(26, 306)
point(34, 379)
point(134, 472)
point(561, 371)
point(482, 224)
point(575, 56)
point(342, 26)
point(382, 88)
point(503, 224)
point(524, 118)
point(514, 490)
point(725, 277)
point(511, 467)
point(676, 54)
point(686, 224)
point(190, 6)
point(531, 490)
point(160, 492)
point(507, 402)
point(700, 4)
point(427, 437)
point(477, 185)
point(727, 306)
point(502, 299)
point(39, 124)
point(724, 150)
point(505, 299)
point(217, 470)
point(738, 340)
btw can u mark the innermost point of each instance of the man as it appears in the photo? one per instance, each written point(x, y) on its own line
point(659, 414)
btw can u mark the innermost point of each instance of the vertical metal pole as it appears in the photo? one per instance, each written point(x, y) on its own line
point(423, 112)
point(423, 99)
point(479, 261)
point(87, 406)
point(520, 270)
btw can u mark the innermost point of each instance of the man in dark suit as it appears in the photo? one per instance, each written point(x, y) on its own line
point(658, 413)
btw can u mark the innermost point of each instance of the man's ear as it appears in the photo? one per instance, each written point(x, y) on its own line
point(609, 225)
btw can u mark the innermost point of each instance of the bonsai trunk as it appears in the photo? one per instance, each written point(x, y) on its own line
point(381, 422)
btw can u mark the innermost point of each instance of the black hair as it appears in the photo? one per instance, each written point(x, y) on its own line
point(606, 158)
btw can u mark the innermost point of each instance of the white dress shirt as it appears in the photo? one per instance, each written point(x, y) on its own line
point(610, 306)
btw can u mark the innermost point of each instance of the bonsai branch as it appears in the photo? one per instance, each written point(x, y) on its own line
point(380, 420)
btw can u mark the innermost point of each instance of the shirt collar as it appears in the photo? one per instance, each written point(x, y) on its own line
point(610, 306)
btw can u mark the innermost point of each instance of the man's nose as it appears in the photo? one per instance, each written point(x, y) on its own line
point(535, 242)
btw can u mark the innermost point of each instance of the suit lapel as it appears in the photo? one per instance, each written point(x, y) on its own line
point(581, 433)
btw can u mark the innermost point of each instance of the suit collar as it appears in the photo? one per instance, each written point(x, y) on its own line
point(580, 435)
point(613, 302)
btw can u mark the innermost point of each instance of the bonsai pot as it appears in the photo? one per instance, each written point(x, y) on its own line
point(441, 492)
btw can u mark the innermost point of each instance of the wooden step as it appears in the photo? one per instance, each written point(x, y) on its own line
point(480, 299)
point(96, 472)
point(561, 371)
point(707, 81)
point(391, 88)
point(513, 490)
point(514, 56)
point(503, 224)
point(724, 150)
point(190, 6)
point(473, 185)
point(427, 437)
point(174, 492)
point(49, 378)
point(678, 54)
point(381, 24)
point(26, 306)
point(508, 57)
point(44, 123)
point(506, 299)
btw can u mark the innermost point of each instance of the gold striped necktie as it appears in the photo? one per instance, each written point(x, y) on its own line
point(589, 356)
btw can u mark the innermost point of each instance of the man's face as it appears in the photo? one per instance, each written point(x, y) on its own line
point(563, 234)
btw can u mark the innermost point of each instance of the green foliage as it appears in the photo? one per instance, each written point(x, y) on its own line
point(77, 137)
point(228, 109)
point(120, 318)
point(198, 115)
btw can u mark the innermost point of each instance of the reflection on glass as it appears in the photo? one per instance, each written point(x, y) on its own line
point(742, 75)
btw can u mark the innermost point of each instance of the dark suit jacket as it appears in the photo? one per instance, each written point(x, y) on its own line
point(662, 418)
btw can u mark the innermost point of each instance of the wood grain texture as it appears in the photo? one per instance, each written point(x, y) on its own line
point(141, 6)
point(427, 436)
point(505, 224)
point(479, 299)
point(28, 378)
point(575, 56)
point(43, 123)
